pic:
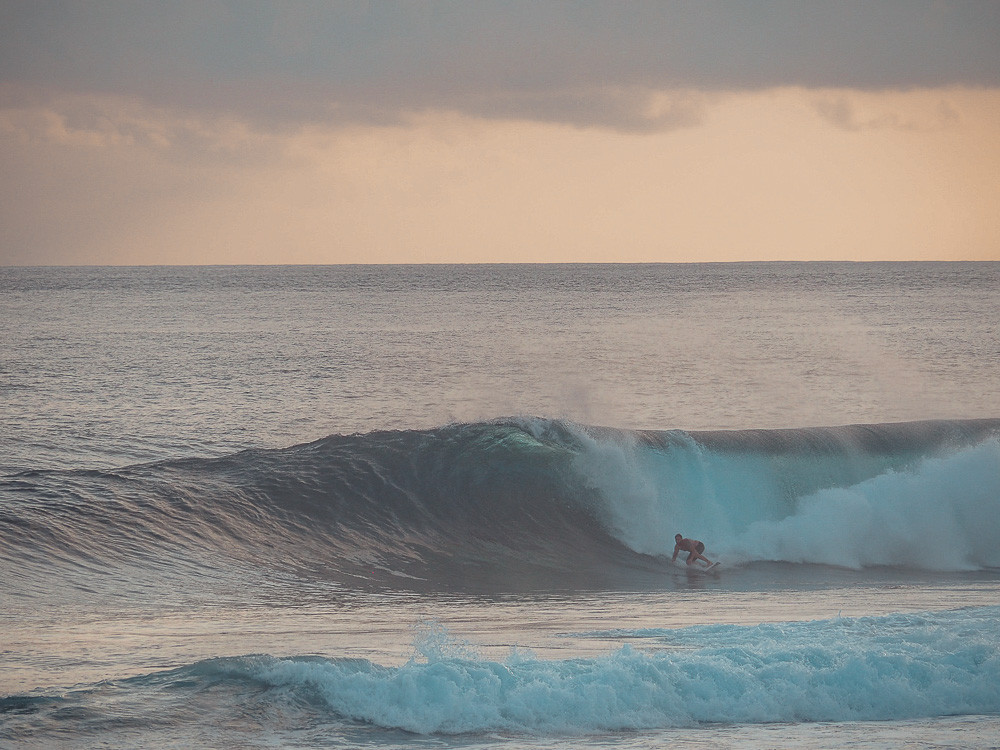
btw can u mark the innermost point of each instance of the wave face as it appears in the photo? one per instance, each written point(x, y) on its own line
point(528, 501)
point(875, 668)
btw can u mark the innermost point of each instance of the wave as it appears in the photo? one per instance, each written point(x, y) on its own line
point(874, 668)
point(528, 501)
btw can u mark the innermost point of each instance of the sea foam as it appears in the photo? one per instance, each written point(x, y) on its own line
point(877, 668)
point(933, 508)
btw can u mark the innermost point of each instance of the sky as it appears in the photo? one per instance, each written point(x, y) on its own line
point(246, 132)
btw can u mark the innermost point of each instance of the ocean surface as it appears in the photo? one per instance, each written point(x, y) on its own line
point(434, 506)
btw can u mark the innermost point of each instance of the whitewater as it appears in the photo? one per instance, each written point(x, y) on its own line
point(435, 505)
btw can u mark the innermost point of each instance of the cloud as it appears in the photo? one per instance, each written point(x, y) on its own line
point(855, 111)
point(583, 63)
point(632, 109)
point(98, 122)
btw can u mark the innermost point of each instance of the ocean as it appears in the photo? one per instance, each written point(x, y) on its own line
point(434, 506)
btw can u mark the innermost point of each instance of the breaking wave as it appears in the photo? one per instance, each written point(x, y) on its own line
point(528, 499)
point(874, 668)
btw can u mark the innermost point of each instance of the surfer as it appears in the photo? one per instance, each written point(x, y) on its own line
point(693, 546)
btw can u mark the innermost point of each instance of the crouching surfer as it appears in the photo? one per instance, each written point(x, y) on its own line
point(693, 547)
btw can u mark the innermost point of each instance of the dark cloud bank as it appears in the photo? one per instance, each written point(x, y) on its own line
point(585, 63)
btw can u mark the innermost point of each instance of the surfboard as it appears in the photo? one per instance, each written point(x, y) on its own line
point(713, 568)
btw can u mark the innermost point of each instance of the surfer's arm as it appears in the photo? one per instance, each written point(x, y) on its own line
point(676, 550)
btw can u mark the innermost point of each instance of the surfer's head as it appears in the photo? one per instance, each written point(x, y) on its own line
point(678, 537)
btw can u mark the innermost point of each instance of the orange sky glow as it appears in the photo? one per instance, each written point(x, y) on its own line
point(710, 174)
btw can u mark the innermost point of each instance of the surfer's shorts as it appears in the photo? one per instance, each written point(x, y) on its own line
point(700, 547)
